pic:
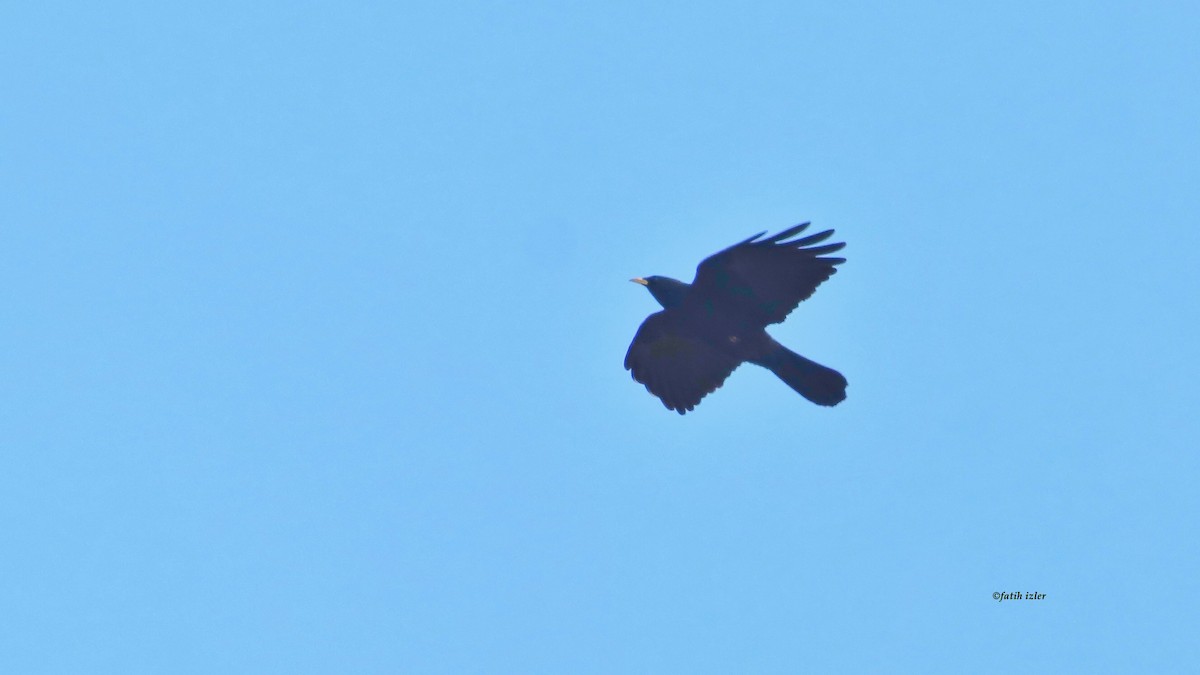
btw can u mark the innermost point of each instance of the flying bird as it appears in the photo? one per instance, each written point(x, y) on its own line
point(709, 327)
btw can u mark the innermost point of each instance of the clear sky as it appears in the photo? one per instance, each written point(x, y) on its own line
point(313, 319)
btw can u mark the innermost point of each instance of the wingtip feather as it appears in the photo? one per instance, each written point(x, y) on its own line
point(790, 232)
point(828, 248)
point(751, 239)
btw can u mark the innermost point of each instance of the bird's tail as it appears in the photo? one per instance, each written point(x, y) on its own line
point(813, 381)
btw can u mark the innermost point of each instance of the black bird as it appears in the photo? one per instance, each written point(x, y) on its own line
point(709, 327)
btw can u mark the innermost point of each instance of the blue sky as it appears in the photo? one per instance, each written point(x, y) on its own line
point(315, 316)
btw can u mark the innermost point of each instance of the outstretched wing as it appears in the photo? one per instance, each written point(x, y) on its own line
point(677, 367)
point(761, 281)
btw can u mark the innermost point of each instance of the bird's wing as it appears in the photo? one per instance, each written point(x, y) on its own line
point(762, 280)
point(675, 366)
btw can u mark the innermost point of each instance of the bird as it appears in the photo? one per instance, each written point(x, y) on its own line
point(711, 326)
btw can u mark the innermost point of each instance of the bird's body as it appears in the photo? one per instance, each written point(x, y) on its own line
point(711, 326)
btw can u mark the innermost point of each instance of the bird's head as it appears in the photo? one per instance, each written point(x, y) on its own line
point(667, 291)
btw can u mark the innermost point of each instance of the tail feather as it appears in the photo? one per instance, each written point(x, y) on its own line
point(813, 381)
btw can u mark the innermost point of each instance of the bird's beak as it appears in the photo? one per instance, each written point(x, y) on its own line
point(641, 281)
